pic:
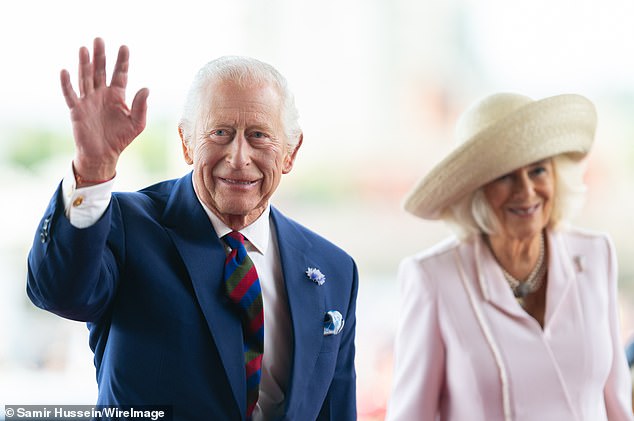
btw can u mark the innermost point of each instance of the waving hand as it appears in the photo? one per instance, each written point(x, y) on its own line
point(103, 125)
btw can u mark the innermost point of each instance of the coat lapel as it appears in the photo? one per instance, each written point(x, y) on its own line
point(203, 254)
point(560, 276)
point(496, 291)
point(306, 304)
point(494, 287)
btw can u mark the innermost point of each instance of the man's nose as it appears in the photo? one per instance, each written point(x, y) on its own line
point(239, 153)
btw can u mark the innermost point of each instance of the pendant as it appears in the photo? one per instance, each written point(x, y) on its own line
point(522, 290)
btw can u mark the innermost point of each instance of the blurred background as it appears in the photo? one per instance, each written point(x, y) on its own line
point(379, 85)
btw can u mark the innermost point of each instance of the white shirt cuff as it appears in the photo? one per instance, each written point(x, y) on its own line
point(84, 206)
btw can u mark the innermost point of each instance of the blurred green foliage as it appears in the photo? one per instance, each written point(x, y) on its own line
point(31, 147)
point(154, 148)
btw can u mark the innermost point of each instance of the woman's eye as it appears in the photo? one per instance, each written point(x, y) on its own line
point(538, 170)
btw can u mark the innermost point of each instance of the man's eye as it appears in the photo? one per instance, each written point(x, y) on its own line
point(220, 132)
point(258, 135)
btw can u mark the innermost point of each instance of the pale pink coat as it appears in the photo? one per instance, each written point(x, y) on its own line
point(466, 351)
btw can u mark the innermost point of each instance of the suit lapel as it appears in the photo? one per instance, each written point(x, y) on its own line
point(305, 301)
point(495, 288)
point(203, 254)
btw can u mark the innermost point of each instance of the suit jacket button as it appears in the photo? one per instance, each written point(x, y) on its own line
point(44, 231)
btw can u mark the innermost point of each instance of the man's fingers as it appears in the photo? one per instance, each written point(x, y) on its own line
point(99, 63)
point(67, 89)
point(85, 72)
point(120, 73)
point(138, 112)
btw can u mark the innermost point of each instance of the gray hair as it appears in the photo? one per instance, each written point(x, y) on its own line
point(244, 71)
point(473, 214)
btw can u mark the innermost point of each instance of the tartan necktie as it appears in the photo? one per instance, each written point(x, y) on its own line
point(243, 288)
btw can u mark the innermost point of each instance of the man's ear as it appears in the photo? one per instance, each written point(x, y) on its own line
point(186, 154)
point(289, 159)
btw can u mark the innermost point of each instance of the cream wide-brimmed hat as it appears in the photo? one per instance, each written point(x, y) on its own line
point(499, 134)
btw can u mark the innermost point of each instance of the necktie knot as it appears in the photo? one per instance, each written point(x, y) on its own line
point(234, 239)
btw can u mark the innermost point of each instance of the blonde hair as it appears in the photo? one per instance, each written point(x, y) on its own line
point(473, 215)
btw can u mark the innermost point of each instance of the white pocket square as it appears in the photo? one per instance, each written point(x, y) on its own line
point(333, 323)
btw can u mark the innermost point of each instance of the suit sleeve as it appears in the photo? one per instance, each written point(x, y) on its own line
point(341, 402)
point(72, 272)
point(618, 389)
point(419, 355)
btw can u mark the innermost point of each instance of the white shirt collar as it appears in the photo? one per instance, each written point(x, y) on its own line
point(257, 233)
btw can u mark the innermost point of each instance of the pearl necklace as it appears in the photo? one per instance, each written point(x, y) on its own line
point(535, 278)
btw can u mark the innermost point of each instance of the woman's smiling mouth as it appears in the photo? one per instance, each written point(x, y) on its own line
point(524, 211)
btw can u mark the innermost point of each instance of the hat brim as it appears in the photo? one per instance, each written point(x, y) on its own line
point(563, 124)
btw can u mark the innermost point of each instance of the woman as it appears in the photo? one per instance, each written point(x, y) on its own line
point(517, 319)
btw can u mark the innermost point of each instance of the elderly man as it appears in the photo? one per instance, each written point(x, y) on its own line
point(199, 295)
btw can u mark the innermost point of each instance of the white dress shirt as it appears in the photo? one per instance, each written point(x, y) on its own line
point(84, 206)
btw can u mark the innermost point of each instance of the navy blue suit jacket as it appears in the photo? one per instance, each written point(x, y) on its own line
point(147, 278)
